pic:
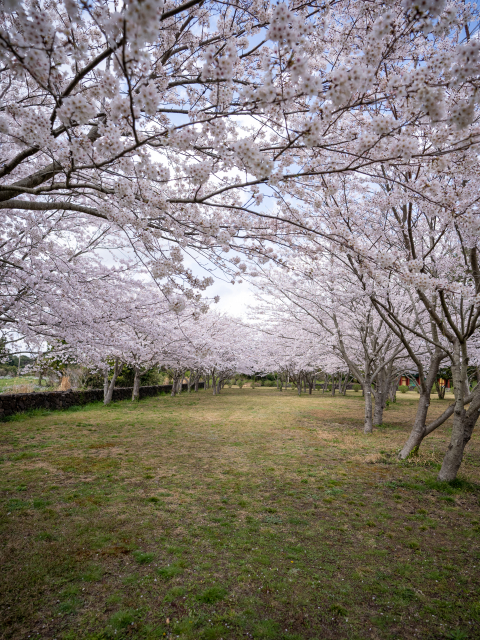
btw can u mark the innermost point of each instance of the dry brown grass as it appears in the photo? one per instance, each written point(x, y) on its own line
point(21, 388)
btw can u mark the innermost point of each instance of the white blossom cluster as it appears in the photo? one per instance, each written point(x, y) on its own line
point(182, 139)
point(433, 101)
point(110, 140)
point(177, 304)
point(223, 237)
point(199, 172)
point(404, 146)
point(433, 7)
point(254, 160)
point(143, 19)
point(149, 99)
point(466, 61)
point(463, 114)
point(286, 27)
point(220, 67)
point(76, 109)
point(347, 80)
point(36, 129)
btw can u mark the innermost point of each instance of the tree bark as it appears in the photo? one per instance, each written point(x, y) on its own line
point(440, 390)
point(105, 385)
point(190, 381)
point(367, 392)
point(111, 386)
point(463, 420)
point(382, 383)
point(136, 385)
point(418, 431)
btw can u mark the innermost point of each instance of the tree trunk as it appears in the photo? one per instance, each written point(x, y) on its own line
point(105, 386)
point(136, 385)
point(40, 377)
point(418, 431)
point(380, 395)
point(392, 393)
point(345, 384)
point(111, 386)
point(197, 377)
point(299, 385)
point(463, 421)
point(334, 383)
point(440, 390)
point(190, 381)
point(367, 392)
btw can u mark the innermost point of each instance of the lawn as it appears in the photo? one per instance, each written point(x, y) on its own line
point(253, 514)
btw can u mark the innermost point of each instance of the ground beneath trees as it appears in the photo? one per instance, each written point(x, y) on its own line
point(253, 514)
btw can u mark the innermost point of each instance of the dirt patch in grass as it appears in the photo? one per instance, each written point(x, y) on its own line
point(253, 514)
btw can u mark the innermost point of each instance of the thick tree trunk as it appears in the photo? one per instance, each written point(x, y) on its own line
point(40, 378)
point(334, 385)
point(299, 385)
point(418, 431)
point(136, 385)
point(367, 392)
point(111, 386)
point(105, 385)
point(197, 377)
point(463, 421)
point(176, 384)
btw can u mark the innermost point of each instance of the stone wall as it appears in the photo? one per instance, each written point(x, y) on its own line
point(19, 402)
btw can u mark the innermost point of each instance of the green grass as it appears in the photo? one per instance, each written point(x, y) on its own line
point(252, 514)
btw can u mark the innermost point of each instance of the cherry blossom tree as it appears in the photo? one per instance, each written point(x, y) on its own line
point(166, 124)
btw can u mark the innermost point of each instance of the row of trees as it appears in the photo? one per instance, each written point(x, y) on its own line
point(333, 141)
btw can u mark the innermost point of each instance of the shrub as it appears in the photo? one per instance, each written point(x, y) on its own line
point(403, 388)
point(357, 387)
point(240, 383)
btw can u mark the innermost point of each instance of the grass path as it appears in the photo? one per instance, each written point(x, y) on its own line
point(253, 514)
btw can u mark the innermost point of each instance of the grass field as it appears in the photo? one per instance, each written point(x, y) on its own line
point(253, 514)
point(7, 384)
